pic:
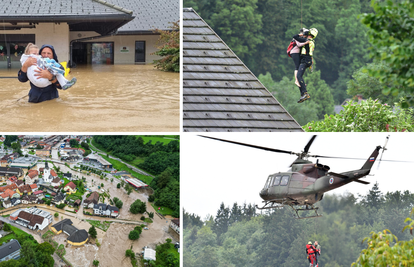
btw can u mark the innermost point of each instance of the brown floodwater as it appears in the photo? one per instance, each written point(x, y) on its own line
point(106, 98)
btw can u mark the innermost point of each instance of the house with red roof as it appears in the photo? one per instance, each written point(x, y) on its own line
point(11, 180)
point(31, 177)
point(33, 187)
point(24, 190)
point(53, 173)
point(8, 194)
point(70, 188)
point(11, 187)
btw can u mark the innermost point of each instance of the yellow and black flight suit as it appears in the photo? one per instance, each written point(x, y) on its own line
point(306, 62)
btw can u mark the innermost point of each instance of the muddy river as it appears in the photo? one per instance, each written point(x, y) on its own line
point(106, 98)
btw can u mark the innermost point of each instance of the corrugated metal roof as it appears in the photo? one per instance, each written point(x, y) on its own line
point(219, 92)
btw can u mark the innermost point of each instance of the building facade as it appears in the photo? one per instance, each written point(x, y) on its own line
point(90, 32)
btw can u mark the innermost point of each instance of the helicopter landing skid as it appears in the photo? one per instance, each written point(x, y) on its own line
point(307, 208)
point(271, 205)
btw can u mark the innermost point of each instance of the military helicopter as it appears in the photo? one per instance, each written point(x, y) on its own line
point(305, 182)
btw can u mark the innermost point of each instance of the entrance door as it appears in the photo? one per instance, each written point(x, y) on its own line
point(140, 52)
point(103, 53)
point(80, 53)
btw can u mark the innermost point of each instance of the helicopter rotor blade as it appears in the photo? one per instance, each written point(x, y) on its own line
point(252, 146)
point(331, 157)
point(309, 144)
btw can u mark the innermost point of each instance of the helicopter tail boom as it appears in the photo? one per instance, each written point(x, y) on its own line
point(371, 160)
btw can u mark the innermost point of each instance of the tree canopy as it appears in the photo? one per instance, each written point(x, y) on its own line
point(390, 34)
point(239, 236)
point(367, 116)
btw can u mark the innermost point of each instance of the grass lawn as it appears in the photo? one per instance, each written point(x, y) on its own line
point(163, 210)
point(18, 231)
point(73, 196)
point(165, 139)
point(101, 225)
point(5, 215)
point(122, 167)
point(148, 220)
point(66, 181)
point(48, 234)
point(7, 238)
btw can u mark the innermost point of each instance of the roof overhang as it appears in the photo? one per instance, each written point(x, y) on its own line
point(102, 24)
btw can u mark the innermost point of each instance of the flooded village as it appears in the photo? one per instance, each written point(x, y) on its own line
point(56, 193)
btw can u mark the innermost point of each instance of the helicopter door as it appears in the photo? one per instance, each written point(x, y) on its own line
point(284, 185)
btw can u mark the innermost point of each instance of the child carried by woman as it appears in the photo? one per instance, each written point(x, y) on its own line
point(51, 65)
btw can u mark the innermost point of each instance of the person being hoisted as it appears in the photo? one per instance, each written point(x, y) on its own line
point(310, 250)
point(306, 62)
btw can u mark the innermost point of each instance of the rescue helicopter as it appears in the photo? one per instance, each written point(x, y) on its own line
point(305, 183)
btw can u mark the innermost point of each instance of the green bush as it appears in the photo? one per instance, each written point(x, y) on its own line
point(129, 253)
point(138, 207)
point(133, 235)
point(60, 206)
point(92, 231)
point(367, 116)
point(169, 49)
point(95, 262)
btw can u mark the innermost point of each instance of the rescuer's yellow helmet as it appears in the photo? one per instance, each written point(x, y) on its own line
point(313, 32)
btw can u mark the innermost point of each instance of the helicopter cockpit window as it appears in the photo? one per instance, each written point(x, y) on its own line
point(269, 181)
point(285, 180)
point(277, 180)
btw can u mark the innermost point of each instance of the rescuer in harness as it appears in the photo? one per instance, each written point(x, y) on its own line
point(310, 251)
point(306, 62)
point(317, 252)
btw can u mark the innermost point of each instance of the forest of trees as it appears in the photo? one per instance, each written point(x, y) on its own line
point(349, 46)
point(242, 236)
point(161, 160)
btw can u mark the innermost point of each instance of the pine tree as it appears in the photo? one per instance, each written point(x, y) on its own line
point(221, 222)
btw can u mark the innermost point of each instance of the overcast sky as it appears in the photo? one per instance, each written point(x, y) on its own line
point(213, 172)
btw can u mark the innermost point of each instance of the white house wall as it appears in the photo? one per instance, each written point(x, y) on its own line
point(49, 33)
point(44, 224)
point(121, 41)
point(59, 36)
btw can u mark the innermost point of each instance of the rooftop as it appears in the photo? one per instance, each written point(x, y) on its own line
point(59, 226)
point(149, 15)
point(92, 15)
point(9, 248)
point(220, 94)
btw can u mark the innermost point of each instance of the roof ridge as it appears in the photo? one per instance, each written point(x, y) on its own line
point(127, 11)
